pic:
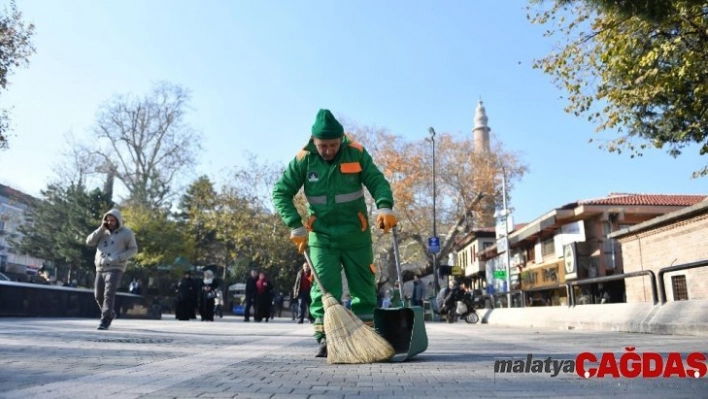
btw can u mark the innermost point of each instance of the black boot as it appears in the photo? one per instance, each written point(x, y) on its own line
point(322, 352)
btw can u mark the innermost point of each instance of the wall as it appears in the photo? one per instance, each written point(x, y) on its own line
point(40, 300)
point(681, 242)
point(672, 318)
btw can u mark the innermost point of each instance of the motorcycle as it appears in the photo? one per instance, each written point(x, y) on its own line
point(465, 310)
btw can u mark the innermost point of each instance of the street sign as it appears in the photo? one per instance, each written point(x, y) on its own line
point(434, 244)
point(500, 274)
point(456, 271)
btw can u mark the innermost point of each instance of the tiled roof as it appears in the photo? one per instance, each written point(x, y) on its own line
point(518, 226)
point(14, 195)
point(646, 199)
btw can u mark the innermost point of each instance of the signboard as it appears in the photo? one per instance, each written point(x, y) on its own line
point(570, 261)
point(504, 224)
point(569, 233)
point(502, 245)
point(500, 274)
point(456, 271)
point(434, 244)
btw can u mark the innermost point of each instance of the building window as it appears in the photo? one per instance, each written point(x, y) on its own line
point(548, 247)
point(678, 283)
point(3, 262)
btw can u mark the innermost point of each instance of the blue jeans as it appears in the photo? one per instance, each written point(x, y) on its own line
point(105, 288)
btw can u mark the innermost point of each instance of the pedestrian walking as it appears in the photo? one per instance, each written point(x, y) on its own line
point(187, 291)
point(301, 290)
point(250, 302)
point(115, 245)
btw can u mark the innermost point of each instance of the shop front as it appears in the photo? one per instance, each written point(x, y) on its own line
point(545, 285)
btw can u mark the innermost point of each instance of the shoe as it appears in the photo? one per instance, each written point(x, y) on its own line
point(299, 322)
point(322, 352)
point(246, 320)
point(109, 321)
point(103, 326)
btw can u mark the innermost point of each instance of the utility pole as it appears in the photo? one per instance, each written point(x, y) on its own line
point(507, 251)
point(436, 281)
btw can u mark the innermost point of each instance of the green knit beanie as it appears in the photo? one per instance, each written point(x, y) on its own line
point(326, 126)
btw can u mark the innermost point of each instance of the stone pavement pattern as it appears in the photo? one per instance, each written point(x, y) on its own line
point(155, 359)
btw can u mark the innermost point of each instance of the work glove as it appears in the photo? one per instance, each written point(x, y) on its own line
point(386, 220)
point(299, 238)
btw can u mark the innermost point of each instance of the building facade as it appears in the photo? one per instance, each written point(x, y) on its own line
point(13, 205)
point(571, 243)
point(466, 249)
point(676, 238)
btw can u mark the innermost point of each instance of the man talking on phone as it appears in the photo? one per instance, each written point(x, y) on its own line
point(115, 244)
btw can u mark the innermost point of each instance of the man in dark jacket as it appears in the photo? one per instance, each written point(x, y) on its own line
point(250, 301)
point(418, 292)
point(301, 291)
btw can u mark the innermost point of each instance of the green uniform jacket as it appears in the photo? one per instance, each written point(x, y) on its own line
point(337, 214)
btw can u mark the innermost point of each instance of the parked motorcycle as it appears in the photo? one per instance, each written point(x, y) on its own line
point(465, 310)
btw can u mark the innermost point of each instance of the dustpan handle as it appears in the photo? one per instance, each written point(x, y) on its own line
point(314, 273)
point(397, 256)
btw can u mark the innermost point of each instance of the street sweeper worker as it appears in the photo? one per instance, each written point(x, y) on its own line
point(334, 170)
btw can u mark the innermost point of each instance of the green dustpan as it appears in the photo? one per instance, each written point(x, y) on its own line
point(403, 327)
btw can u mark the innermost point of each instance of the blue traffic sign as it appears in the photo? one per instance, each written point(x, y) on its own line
point(434, 244)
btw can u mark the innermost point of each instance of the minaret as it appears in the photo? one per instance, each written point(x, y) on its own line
point(481, 130)
point(485, 216)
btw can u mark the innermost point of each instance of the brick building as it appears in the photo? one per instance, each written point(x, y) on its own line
point(673, 239)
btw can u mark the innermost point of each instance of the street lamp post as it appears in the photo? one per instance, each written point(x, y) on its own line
point(505, 213)
point(436, 281)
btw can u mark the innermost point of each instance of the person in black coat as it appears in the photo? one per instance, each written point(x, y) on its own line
point(250, 301)
point(186, 298)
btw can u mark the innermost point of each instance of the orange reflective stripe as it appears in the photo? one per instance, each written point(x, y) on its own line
point(362, 219)
point(350, 167)
point(356, 145)
point(373, 268)
point(302, 154)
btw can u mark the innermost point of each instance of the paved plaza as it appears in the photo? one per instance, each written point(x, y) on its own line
point(153, 359)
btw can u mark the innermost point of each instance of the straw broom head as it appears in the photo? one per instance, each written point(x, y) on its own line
point(349, 340)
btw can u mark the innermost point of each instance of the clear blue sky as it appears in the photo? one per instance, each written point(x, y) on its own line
point(259, 71)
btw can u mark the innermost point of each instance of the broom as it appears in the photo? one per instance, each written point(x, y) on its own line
point(349, 340)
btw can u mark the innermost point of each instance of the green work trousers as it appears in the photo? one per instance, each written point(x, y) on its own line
point(360, 272)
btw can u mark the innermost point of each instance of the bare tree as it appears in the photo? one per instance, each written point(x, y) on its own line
point(78, 165)
point(149, 142)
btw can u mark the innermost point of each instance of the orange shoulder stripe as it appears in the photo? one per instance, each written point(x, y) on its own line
point(302, 154)
point(356, 145)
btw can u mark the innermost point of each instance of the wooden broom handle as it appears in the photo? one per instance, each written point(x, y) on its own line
point(314, 273)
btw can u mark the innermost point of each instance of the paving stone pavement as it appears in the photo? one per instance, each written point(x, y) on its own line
point(156, 359)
